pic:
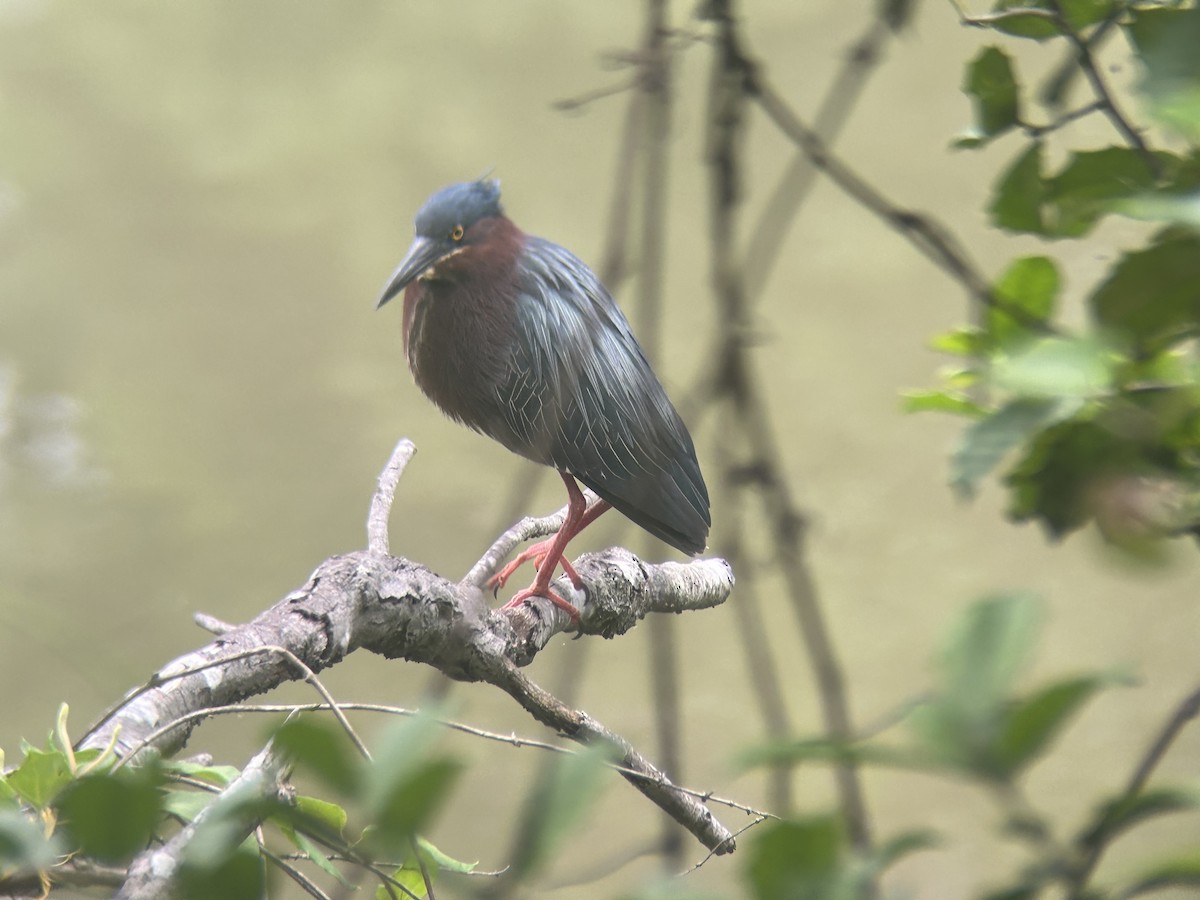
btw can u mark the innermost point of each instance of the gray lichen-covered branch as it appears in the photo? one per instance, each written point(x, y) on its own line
point(401, 610)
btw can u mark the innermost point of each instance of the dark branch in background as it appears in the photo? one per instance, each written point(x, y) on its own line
point(731, 87)
point(930, 237)
point(759, 258)
point(1109, 104)
point(1184, 715)
point(655, 87)
point(641, 163)
point(770, 232)
point(1040, 131)
point(398, 609)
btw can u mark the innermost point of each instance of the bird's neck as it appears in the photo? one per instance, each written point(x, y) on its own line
point(465, 287)
point(459, 326)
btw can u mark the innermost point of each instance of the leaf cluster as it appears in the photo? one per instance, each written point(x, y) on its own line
point(974, 725)
point(59, 804)
point(1099, 421)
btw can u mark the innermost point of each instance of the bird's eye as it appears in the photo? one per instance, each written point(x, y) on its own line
point(456, 233)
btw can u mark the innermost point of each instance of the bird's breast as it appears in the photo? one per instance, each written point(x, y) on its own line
point(458, 339)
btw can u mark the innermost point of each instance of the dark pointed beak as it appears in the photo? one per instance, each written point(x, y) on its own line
point(423, 253)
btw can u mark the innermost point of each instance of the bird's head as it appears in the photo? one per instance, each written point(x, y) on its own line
point(452, 220)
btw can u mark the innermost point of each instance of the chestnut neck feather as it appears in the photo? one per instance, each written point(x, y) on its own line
point(459, 320)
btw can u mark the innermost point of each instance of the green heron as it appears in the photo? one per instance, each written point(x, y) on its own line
point(515, 337)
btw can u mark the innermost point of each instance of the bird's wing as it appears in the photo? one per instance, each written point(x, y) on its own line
point(581, 396)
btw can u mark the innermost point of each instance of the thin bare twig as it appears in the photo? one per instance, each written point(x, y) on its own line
point(1185, 713)
point(179, 669)
point(1039, 131)
point(306, 884)
point(512, 740)
point(1088, 63)
point(574, 104)
point(385, 494)
point(712, 853)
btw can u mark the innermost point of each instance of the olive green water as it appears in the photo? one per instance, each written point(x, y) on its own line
point(198, 204)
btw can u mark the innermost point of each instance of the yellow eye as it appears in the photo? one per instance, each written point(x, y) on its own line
point(456, 233)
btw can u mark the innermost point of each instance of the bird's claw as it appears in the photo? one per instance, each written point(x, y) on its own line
point(521, 596)
point(538, 553)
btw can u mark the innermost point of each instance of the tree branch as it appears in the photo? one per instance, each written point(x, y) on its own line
point(399, 609)
point(1087, 62)
point(152, 875)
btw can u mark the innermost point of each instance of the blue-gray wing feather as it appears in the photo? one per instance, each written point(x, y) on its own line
point(580, 395)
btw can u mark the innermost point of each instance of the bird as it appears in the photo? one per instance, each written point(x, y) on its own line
point(515, 337)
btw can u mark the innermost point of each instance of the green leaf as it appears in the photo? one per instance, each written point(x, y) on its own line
point(1072, 369)
point(23, 847)
point(557, 804)
point(1118, 815)
point(1091, 184)
point(962, 723)
point(1152, 296)
point(986, 651)
point(237, 874)
point(228, 824)
point(328, 816)
point(405, 784)
point(1052, 482)
point(411, 879)
point(992, 87)
point(1166, 41)
point(1175, 871)
point(111, 817)
point(799, 860)
point(444, 861)
point(941, 401)
point(41, 775)
point(1033, 722)
point(306, 846)
point(1020, 892)
point(987, 441)
point(1176, 209)
point(1027, 25)
point(220, 776)
point(1026, 294)
point(322, 748)
point(405, 744)
point(406, 804)
point(7, 794)
point(1017, 201)
point(896, 848)
point(1082, 13)
point(830, 750)
point(186, 805)
point(969, 341)
point(84, 759)
point(1078, 13)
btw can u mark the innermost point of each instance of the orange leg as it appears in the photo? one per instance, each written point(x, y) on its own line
point(541, 550)
point(548, 555)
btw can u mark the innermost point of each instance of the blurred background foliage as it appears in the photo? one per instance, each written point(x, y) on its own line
point(199, 202)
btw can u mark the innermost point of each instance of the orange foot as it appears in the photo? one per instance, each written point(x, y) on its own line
point(532, 591)
point(538, 553)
